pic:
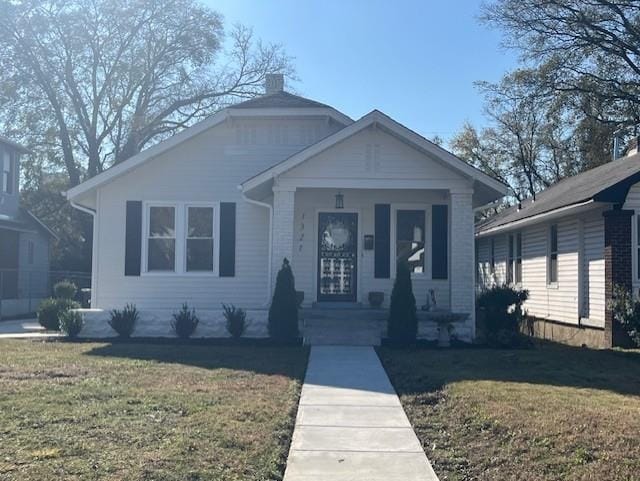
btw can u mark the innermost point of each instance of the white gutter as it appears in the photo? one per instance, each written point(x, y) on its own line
point(536, 218)
point(269, 207)
point(94, 250)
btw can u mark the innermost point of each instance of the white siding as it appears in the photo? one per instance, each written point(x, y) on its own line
point(206, 168)
point(633, 203)
point(594, 270)
point(559, 301)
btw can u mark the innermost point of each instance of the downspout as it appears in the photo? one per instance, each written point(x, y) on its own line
point(94, 251)
point(269, 207)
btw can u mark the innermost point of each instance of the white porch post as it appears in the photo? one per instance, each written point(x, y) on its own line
point(462, 256)
point(282, 237)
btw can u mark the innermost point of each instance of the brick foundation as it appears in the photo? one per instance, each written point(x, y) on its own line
point(617, 265)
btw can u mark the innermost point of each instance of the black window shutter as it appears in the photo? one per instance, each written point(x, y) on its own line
point(133, 238)
point(439, 241)
point(227, 239)
point(382, 262)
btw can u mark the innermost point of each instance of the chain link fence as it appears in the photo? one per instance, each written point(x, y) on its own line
point(22, 290)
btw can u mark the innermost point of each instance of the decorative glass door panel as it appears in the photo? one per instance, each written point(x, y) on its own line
point(337, 256)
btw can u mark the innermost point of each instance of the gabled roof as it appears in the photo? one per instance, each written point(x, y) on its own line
point(278, 104)
point(280, 99)
point(15, 145)
point(395, 128)
point(607, 183)
point(24, 221)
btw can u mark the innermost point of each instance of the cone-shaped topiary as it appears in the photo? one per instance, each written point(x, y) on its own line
point(283, 313)
point(402, 325)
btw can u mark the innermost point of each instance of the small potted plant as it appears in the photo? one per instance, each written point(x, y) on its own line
point(300, 298)
point(376, 299)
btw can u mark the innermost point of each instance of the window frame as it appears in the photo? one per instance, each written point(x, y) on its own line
point(181, 227)
point(492, 256)
point(514, 259)
point(637, 245)
point(31, 252)
point(552, 281)
point(426, 268)
point(10, 174)
point(214, 239)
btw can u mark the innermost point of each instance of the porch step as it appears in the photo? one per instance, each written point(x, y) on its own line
point(342, 331)
point(337, 305)
point(345, 315)
point(344, 336)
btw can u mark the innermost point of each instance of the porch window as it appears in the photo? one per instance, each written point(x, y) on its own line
point(199, 239)
point(161, 241)
point(552, 263)
point(7, 172)
point(410, 235)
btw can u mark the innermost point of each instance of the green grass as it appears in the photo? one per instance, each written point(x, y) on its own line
point(146, 412)
point(553, 413)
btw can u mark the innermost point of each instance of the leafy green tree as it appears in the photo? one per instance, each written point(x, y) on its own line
point(283, 312)
point(88, 84)
point(402, 325)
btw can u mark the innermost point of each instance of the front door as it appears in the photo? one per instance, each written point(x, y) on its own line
point(337, 256)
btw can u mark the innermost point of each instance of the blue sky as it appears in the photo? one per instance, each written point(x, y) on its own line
point(414, 60)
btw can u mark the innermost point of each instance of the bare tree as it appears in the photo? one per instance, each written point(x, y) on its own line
point(90, 83)
point(526, 144)
point(585, 47)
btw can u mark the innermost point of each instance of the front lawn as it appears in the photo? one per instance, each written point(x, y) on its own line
point(146, 412)
point(554, 413)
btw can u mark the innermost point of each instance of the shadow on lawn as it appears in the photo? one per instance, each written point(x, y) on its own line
point(415, 371)
point(287, 361)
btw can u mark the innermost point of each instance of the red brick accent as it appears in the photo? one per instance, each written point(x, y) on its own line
point(617, 262)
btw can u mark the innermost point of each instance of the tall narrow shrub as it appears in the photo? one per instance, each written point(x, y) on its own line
point(402, 325)
point(283, 313)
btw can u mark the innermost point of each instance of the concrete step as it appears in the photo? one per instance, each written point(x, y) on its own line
point(337, 305)
point(346, 315)
point(341, 338)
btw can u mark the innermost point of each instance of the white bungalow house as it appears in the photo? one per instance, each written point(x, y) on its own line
point(208, 215)
point(569, 247)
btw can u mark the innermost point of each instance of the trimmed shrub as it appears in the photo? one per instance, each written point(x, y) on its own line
point(236, 320)
point(503, 315)
point(185, 322)
point(283, 312)
point(51, 309)
point(65, 290)
point(71, 323)
point(402, 325)
point(124, 321)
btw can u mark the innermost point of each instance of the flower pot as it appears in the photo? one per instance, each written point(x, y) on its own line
point(444, 338)
point(376, 299)
point(300, 298)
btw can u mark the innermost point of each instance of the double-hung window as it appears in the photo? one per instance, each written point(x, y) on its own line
point(180, 238)
point(161, 239)
point(199, 239)
point(410, 239)
point(492, 259)
point(514, 263)
point(7, 172)
point(552, 262)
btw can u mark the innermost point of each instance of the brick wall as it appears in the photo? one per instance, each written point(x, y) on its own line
point(617, 262)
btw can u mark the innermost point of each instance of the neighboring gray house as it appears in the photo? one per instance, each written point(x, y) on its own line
point(24, 242)
point(568, 248)
point(208, 215)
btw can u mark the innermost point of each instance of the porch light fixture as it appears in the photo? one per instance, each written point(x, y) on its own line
point(339, 200)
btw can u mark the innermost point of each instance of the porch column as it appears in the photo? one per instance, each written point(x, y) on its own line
point(462, 256)
point(282, 233)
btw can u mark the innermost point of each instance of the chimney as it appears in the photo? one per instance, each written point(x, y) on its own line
point(273, 83)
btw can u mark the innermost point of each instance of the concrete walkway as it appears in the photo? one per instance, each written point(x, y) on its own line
point(351, 425)
point(24, 328)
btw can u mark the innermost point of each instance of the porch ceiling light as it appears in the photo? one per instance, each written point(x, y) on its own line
point(339, 200)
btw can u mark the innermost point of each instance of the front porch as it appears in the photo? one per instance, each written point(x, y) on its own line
point(344, 244)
